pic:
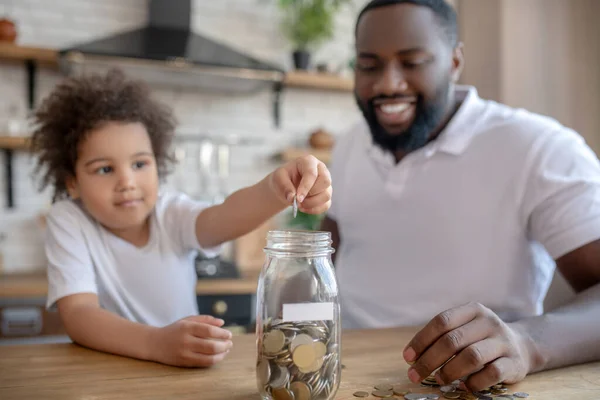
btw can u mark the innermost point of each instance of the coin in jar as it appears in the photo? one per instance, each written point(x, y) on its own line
point(274, 341)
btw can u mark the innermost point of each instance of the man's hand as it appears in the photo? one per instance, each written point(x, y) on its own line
point(196, 341)
point(482, 347)
point(306, 178)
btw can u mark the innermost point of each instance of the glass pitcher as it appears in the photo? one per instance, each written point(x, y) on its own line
point(298, 324)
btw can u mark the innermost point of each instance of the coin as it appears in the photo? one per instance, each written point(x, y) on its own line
point(279, 377)
point(304, 356)
point(383, 387)
point(295, 207)
point(447, 388)
point(282, 394)
point(415, 396)
point(300, 390)
point(302, 338)
point(274, 341)
point(451, 395)
point(521, 395)
point(307, 364)
point(361, 394)
point(263, 371)
point(400, 391)
point(382, 393)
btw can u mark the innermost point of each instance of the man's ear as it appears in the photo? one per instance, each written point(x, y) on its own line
point(458, 62)
point(72, 187)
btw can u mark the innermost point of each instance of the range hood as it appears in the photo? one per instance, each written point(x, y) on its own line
point(166, 51)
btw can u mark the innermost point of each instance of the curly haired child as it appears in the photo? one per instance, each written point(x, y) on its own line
point(120, 250)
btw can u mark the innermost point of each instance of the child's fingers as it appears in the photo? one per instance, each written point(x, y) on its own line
point(284, 185)
point(323, 181)
point(202, 360)
point(203, 330)
point(210, 346)
point(308, 167)
point(317, 200)
point(207, 319)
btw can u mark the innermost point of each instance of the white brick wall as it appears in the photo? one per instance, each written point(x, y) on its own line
point(251, 25)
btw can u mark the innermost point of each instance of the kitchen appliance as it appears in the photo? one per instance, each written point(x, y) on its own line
point(203, 173)
point(168, 51)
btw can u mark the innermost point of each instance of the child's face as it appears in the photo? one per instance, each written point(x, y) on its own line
point(116, 176)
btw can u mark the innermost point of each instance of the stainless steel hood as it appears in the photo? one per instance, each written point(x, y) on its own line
point(166, 51)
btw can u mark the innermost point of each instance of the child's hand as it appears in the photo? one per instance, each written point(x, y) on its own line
point(196, 341)
point(308, 179)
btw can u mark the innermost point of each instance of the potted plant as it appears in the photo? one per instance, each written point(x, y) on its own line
point(307, 24)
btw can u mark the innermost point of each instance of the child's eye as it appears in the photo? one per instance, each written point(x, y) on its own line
point(139, 164)
point(104, 170)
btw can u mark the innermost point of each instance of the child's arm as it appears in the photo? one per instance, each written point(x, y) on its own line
point(248, 208)
point(196, 341)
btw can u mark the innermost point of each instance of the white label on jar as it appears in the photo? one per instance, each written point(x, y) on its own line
point(308, 312)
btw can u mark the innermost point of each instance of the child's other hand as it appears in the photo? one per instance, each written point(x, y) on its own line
point(308, 179)
point(195, 341)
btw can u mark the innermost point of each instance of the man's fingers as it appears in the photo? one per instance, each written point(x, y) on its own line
point(438, 326)
point(472, 359)
point(450, 344)
point(500, 370)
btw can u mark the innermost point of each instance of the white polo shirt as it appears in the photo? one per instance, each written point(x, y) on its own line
point(478, 214)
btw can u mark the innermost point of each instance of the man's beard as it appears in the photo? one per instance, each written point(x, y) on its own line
point(428, 116)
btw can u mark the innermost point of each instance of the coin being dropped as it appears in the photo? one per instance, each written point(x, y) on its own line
point(521, 395)
point(361, 394)
point(384, 387)
point(295, 207)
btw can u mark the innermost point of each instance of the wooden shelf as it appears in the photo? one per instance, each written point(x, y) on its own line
point(313, 80)
point(48, 57)
point(295, 79)
point(14, 142)
point(295, 152)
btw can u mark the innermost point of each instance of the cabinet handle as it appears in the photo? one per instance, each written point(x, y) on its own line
point(21, 321)
point(220, 307)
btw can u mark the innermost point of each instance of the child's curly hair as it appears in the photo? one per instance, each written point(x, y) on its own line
point(77, 106)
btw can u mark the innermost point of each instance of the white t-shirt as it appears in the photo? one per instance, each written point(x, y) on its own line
point(479, 214)
point(153, 285)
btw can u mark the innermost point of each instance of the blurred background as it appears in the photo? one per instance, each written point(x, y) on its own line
point(253, 83)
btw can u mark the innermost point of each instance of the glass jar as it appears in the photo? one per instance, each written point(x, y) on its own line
point(298, 325)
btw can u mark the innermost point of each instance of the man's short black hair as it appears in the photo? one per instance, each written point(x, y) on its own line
point(443, 11)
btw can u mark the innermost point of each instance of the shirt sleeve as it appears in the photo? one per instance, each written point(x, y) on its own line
point(180, 214)
point(70, 267)
point(562, 197)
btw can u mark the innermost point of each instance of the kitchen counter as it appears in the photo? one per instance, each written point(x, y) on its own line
point(15, 286)
point(370, 357)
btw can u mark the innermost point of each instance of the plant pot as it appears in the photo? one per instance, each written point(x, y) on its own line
point(301, 59)
point(8, 31)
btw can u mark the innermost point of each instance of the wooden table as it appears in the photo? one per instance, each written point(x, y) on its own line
point(67, 371)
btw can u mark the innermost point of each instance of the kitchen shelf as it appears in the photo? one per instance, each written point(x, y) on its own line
point(48, 57)
point(292, 153)
point(14, 143)
point(313, 80)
